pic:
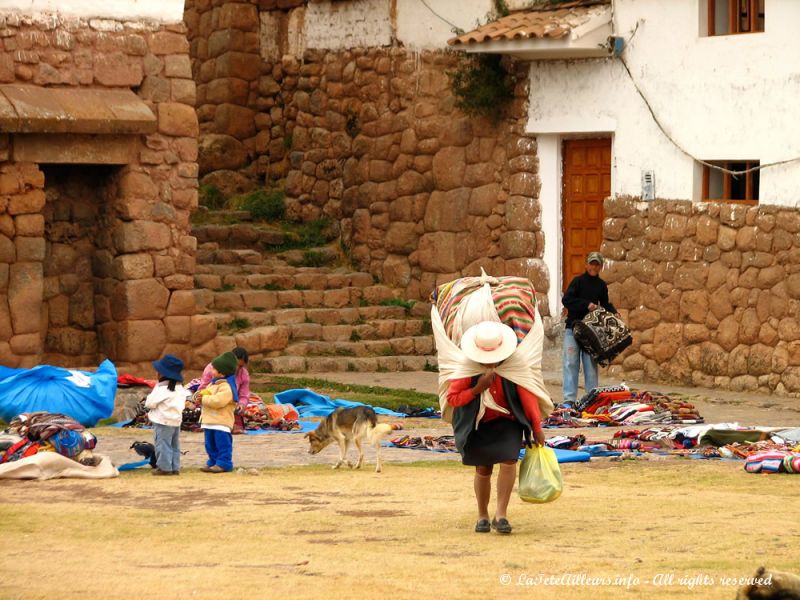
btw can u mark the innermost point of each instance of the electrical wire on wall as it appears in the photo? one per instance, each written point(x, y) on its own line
point(621, 57)
point(452, 25)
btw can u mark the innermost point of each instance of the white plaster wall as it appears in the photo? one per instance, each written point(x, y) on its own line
point(548, 149)
point(167, 11)
point(727, 97)
point(429, 27)
point(341, 25)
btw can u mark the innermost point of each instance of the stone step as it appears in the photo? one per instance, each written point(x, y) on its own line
point(270, 341)
point(421, 345)
point(355, 316)
point(240, 235)
point(376, 329)
point(291, 279)
point(321, 364)
point(233, 300)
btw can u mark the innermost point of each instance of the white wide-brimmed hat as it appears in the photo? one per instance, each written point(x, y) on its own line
point(489, 342)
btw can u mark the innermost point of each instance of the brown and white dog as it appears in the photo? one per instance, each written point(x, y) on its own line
point(358, 424)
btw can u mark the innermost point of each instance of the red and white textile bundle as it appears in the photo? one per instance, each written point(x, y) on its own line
point(465, 302)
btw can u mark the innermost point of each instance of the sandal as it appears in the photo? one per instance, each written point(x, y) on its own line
point(501, 525)
point(482, 526)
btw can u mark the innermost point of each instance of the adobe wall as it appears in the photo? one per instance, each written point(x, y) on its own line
point(711, 292)
point(368, 136)
point(90, 269)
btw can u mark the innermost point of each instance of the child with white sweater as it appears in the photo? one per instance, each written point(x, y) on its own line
point(166, 403)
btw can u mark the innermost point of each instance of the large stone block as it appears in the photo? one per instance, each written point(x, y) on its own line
point(204, 329)
point(449, 166)
point(29, 225)
point(165, 42)
point(26, 344)
point(401, 238)
point(182, 303)
point(448, 211)
point(31, 202)
point(139, 299)
point(132, 266)
point(235, 121)
point(518, 244)
point(135, 236)
point(139, 341)
point(117, 70)
point(440, 252)
point(178, 120)
point(217, 151)
point(179, 329)
point(25, 292)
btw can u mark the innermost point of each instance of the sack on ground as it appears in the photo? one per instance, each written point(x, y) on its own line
point(539, 476)
point(603, 335)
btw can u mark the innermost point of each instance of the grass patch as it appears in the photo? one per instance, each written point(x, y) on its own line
point(340, 351)
point(373, 395)
point(237, 324)
point(306, 235)
point(225, 287)
point(427, 328)
point(354, 336)
point(210, 197)
point(263, 205)
point(430, 368)
point(313, 258)
point(360, 321)
point(406, 304)
point(272, 287)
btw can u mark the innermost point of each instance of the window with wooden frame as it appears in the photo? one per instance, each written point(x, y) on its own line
point(725, 187)
point(727, 17)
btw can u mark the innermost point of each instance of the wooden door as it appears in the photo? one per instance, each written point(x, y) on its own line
point(586, 183)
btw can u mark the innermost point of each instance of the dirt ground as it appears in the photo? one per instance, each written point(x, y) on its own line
point(285, 524)
point(653, 529)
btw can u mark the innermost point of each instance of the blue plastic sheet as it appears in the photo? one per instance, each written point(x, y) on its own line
point(311, 404)
point(86, 397)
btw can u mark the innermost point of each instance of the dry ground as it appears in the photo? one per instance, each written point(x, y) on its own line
point(310, 532)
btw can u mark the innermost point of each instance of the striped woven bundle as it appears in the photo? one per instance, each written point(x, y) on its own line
point(514, 300)
point(791, 463)
point(770, 461)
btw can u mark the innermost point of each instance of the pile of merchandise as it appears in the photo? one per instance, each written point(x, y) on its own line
point(257, 415)
point(31, 433)
point(442, 443)
point(619, 405)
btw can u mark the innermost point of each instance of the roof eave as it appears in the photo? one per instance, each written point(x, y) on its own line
point(592, 44)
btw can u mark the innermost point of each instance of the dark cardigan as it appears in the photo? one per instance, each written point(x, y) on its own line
point(464, 416)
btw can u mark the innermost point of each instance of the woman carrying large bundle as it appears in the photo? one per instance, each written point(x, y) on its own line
point(489, 338)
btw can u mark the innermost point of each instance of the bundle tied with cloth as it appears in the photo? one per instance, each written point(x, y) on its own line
point(464, 302)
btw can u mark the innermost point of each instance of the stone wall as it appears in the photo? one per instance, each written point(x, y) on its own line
point(711, 291)
point(371, 138)
point(142, 260)
point(424, 193)
point(236, 89)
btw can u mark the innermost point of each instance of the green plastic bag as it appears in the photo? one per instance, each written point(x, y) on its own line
point(539, 476)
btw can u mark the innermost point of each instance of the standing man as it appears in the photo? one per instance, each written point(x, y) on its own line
point(584, 294)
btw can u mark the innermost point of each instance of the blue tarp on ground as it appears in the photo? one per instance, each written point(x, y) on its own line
point(86, 397)
point(311, 404)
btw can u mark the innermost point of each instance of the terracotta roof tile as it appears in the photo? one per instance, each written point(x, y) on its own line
point(552, 21)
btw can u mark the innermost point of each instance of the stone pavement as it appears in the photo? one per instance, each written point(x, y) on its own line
point(286, 449)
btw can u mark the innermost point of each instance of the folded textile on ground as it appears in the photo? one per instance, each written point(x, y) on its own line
point(49, 465)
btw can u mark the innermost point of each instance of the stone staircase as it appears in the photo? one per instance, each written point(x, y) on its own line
point(294, 318)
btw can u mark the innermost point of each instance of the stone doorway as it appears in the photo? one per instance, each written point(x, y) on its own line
point(77, 246)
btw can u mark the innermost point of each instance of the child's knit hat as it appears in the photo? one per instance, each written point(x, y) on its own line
point(226, 363)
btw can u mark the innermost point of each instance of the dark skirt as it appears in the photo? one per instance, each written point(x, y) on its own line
point(493, 442)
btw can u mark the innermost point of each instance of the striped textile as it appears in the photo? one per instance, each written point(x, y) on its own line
point(770, 461)
point(514, 299)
